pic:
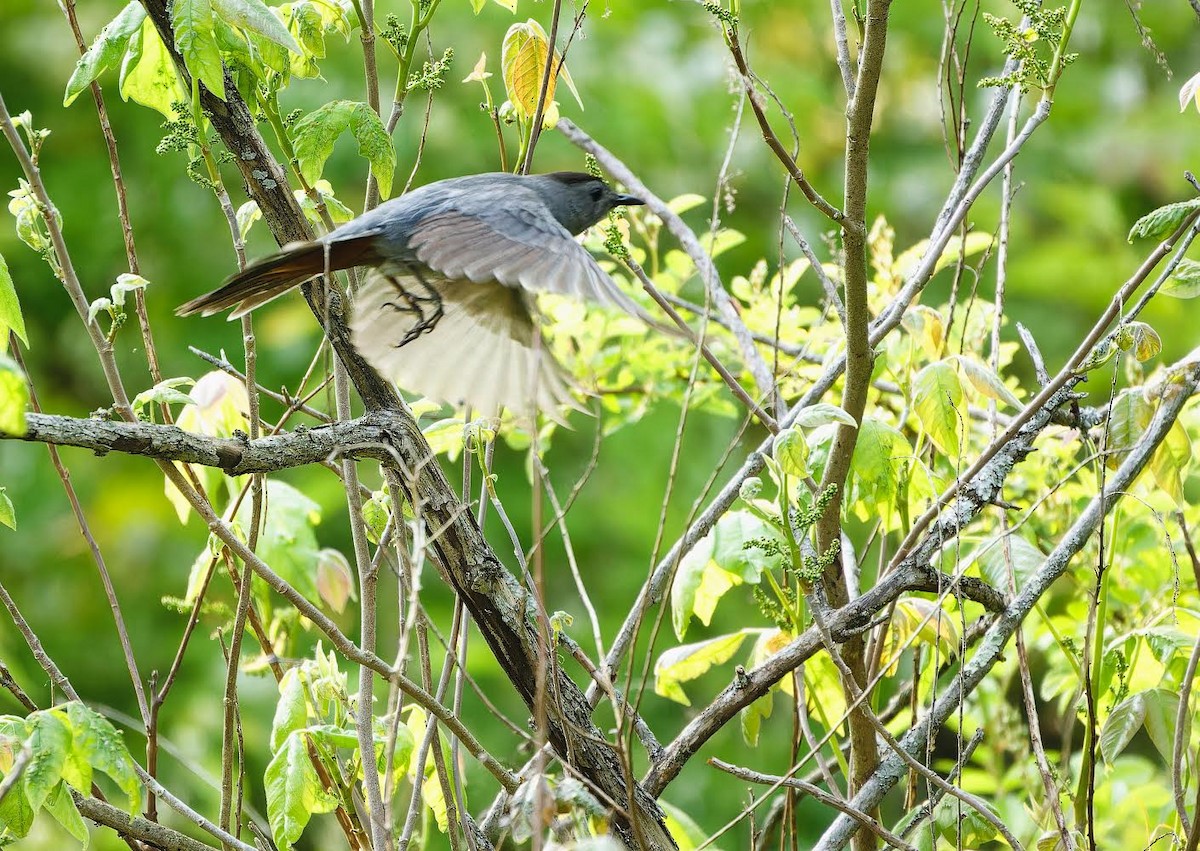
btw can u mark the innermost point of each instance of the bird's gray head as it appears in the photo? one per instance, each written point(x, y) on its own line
point(578, 200)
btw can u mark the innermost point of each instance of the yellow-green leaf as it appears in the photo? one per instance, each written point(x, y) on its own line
point(938, 404)
point(14, 398)
point(148, 75)
point(523, 62)
point(689, 661)
point(10, 308)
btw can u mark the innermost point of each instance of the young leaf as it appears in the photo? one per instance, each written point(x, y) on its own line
point(61, 805)
point(985, 381)
point(291, 712)
point(148, 75)
point(16, 814)
point(1184, 281)
point(294, 791)
point(718, 562)
point(196, 41)
point(1163, 221)
point(752, 716)
point(315, 134)
point(1170, 463)
point(49, 741)
point(821, 414)
point(523, 62)
point(335, 580)
point(98, 742)
point(938, 404)
point(106, 50)
point(14, 398)
point(689, 661)
point(254, 16)
point(1121, 724)
point(881, 465)
point(288, 540)
point(10, 308)
point(8, 515)
point(993, 561)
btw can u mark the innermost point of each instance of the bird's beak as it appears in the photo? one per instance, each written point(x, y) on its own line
point(628, 201)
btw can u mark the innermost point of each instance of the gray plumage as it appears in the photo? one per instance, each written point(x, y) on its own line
point(447, 309)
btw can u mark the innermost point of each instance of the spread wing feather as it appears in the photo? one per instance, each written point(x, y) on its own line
point(481, 352)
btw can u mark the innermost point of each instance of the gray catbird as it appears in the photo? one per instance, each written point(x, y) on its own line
point(447, 309)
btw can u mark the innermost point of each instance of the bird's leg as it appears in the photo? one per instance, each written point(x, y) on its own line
point(426, 305)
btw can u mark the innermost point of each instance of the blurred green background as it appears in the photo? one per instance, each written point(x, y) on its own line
point(657, 92)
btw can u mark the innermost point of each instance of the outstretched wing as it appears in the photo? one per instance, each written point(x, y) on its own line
point(508, 235)
point(482, 351)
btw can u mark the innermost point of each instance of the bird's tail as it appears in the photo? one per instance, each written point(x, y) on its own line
point(272, 276)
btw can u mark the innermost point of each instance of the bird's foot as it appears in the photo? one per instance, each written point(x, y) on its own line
point(426, 307)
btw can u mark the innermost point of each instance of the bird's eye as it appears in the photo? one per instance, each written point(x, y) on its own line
point(597, 191)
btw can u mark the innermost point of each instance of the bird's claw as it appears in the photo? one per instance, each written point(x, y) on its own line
point(427, 307)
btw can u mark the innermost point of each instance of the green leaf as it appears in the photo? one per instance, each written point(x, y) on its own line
point(98, 742)
point(16, 814)
point(938, 404)
point(718, 562)
point(1163, 221)
point(14, 398)
point(511, 5)
point(917, 620)
point(680, 204)
point(1121, 725)
point(106, 50)
point(61, 805)
point(689, 661)
point(993, 561)
point(254, 16)
point(315, 134)
point(163, 393)
point(49, 741)
point(1184, 281)
point(683, 829)
point(196, 41)
point(1142, 340)
point(374, 145)
point(8, 516)
point(1162, 708)
point(291, 712)
point(523, 56)
point(294, 791)
point(288, 540)
point(791, 452)
point(1129, 417)
point(752, 716)
point(821, 414)
point(882, 465)
point(1170, 463)
point(148, 75)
